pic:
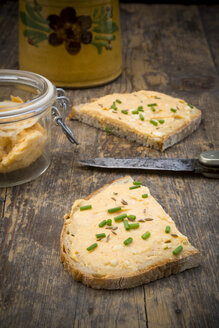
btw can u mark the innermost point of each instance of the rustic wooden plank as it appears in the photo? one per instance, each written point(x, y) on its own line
point(164, 48)
point(174, 297)
point(210, 18)
point(3, 193)
point(9, 34)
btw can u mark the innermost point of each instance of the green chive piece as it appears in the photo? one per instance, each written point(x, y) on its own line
point(109, 222)
point(118, 101)
point(140, 109)
point(144, 196)
point(91, 247)
point(102, 223)
point(128, 241)
point(137, 183)
point(133, 225)
point(114, 209)
point(120, 217)
point(153, 109)
point(107, 129)
point(135, 112)
point(167, 230)
point(146, 235)
point(114, 106)
point(86, 207)
point(154, 122)
point(100, 235)
point(124, 111)
point(152, 105)
point(173, 110)
point(141, 117)
point(177, 250)
point(161, 121)
point(134, 187)
point(156, 97)
point(190, 106)
point(126, 225)
point(131, 217)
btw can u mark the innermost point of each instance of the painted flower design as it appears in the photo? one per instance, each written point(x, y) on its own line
point(70, 29)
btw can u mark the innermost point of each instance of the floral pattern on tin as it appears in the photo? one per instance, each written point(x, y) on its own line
point(68, 29)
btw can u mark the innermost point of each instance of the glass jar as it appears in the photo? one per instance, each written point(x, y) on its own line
point(74, 43)
point(27, 103)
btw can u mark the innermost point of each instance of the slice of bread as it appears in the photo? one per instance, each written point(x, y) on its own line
point(150, 251)
point(150, 118)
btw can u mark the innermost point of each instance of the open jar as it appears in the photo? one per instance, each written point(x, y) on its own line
point(27, 103)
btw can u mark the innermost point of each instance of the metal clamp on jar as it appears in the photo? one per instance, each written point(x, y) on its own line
point(27, 103)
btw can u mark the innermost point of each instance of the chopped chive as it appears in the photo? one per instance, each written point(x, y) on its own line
point(134, 187)
point(173, 110)
point(109, 222)
point(167, 230)
point(124, 111)
point(91, 247)
point(141, 117)
point(190, 106)
point(114, 106)
point(102, 223)
point(152, 105)
point(140, 108)
point(86, 207)
point(126, 225)
point(156, 97)
point(144, 196)
point(135, 112)
point(161, 121)
point(107, 129)
point(137, 183)
point(118, 101)
point(120, 217)
point(131, 217)
point(146, 235)
point(100, 235)
point(154, 122)
point(177, 250)
point(153, 109)
point(114, 209)
point(128, 241)
point(133, 225)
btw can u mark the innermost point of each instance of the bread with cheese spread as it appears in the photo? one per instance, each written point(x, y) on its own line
point(120, 237)
point(150, 118)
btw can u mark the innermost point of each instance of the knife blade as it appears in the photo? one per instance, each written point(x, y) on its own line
point(207, 164)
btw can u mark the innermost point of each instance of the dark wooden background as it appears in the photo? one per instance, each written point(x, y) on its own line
point(168, 48)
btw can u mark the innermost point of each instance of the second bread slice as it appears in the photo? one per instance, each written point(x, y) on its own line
point(150, 118)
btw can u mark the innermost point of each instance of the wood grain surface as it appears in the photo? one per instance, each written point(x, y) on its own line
point(168, 48)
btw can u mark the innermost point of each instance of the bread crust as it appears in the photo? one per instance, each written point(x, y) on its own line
point(140, 277)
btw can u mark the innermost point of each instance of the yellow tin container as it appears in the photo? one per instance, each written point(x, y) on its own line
point(72, 43)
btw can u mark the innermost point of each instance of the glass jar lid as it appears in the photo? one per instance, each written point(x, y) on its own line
point(25, 95)
point(37, 94)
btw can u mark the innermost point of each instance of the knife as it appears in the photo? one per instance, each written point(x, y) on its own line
point(207, 164)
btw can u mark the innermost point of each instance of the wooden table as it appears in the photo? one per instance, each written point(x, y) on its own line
point(168, 48)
